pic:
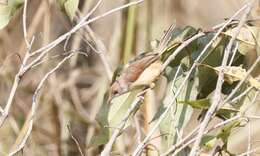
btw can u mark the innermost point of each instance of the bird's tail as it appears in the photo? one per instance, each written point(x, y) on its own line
point(165, 40)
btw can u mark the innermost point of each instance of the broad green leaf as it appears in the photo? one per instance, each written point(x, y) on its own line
point(7, 11)
point(71, 7)
point(207, 77)
point(224, 112)
point(5, 15)
point(198, 104)
point(179, 36)
point(208, 141)
point(61, 4)
point(15, 4)
point(226, 130)
point(102, 117)
point(176, 119)
point(111, 114)
point(119, 107)
point(101, 138)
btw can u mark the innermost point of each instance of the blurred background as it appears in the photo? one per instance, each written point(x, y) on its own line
point(73, 95)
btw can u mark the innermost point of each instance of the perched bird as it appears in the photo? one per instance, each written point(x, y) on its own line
point(143, 70)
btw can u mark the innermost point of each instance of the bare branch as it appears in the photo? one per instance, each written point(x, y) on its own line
point(75, 140)
point(16, 82)
point(249, 138)
point(30, 117)
point(44, 50)
point(180, 48)
point(250, 152)
point(24, 24)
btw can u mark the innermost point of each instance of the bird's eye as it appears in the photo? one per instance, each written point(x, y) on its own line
point(114, 92)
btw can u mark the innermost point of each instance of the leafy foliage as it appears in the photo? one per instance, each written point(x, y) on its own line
point(7, 11)
point(197, 92)
point(69, 7)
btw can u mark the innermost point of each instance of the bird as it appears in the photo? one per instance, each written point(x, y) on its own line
point(142, 70)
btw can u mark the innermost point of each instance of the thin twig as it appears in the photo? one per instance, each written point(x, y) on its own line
point(251, 103)
point(180, 48)
point(234, 51)
point(75, 140)
point(24, 24)
point(108, 146)
point(242, 94)
point(102, 52)
point(249, 138)
point(250, 152)
point(81, 24)
point(1, 110)
point(181, 142)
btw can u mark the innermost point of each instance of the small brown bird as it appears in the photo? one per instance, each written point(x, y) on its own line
point(143, 70)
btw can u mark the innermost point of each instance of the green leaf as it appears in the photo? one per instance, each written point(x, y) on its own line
point(101, 138)
point(71, 7)
point(5, 15)
point(102, 117)
point(111, 114)
point(226, 130)
point(15, 4)
point(224, 112)
point(207, 76)
point(176, 119)
point(179, 36)
point(198, 104)
point(208, 141)
point(7, 11)
point(61, 4)
point(119, 107)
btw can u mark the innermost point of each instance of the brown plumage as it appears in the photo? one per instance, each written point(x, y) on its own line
point(132, 73)
point(138, 66)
